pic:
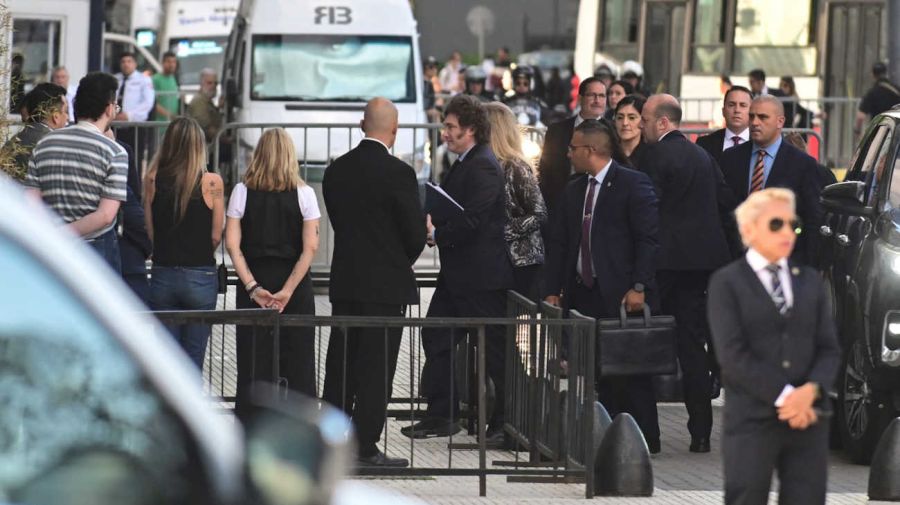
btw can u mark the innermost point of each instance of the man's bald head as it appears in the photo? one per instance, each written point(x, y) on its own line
point(380, 120)
point(772, 101)
point(661, 114)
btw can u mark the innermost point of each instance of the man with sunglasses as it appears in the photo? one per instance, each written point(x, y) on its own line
point(777, 346)
point(766, 161)
point(80, 173)
point(602, 255)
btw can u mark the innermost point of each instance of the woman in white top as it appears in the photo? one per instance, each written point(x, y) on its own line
point(272, 233)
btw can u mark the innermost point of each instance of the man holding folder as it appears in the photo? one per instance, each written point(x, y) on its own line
point(475, 267)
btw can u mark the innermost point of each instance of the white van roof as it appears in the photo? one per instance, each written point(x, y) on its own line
point(353, 17)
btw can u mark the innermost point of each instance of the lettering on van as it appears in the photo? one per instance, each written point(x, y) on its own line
point(334, 15)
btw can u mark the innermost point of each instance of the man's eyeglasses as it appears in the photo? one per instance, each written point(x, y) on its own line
point(594, 96)
point(776, 224)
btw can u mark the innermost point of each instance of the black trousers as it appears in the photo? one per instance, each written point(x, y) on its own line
point(632, 394)
point(255, 349)
point(359, 370)
point(753, 450)
point(683, 295)
point(527, 281)
point(439, 345)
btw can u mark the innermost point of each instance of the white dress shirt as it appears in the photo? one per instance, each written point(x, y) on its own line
point(730, 135)
point(601, 175)
point(139, 96)
point(758, 263)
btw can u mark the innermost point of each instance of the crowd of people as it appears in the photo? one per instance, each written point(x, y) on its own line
point(622, 209)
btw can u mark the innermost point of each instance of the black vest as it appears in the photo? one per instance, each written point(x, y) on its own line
point(272, 225)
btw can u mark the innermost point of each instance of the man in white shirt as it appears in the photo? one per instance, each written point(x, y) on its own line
point(451, 81)
point(736, 111)
point(136, 95)
point(135, 99)
point(61, 77)
point(777, 346)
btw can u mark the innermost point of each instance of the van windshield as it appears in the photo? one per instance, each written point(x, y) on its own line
point(333, 68)
point(196, 54)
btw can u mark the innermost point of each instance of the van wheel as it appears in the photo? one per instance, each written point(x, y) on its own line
point(862, 412)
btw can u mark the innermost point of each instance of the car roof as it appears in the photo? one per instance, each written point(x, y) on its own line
point(27, 222)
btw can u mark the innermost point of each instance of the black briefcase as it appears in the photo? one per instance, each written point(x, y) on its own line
point(643, 345)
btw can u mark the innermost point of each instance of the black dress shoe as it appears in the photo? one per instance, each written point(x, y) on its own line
point(699, 445)
point(381, 459)
point(716, 388)
point(498, 440)
point(431, 427)
point(654, 446)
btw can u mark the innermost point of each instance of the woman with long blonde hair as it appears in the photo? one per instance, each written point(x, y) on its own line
point(272, 233)
point(525, 208)
point(184, 208)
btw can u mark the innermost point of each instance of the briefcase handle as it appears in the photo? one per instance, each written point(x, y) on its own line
point(623, 314)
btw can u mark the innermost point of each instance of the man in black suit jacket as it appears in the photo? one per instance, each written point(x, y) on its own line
point(694, 205)
point(736, 111)
point(373, 203)
point(475, 268)
point(135, 245)
point(555, 169)
point(618, 264)
point(777, 345)
point(782, 165)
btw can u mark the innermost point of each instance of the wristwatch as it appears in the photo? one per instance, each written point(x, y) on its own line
point(638, 287)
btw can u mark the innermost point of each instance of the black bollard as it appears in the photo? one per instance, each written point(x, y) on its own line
point(622, 464)
point(884, 483)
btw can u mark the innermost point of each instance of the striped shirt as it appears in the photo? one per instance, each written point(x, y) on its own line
point(74, 168)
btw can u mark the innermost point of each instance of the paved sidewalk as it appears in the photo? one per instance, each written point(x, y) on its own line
point(680, 477)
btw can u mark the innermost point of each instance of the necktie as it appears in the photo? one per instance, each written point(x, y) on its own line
point(777, 290)
point(756, 183)
point(736, 141)
point(587, 271)
point(121, 99)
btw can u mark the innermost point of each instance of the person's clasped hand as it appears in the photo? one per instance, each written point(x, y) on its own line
point(797, 409)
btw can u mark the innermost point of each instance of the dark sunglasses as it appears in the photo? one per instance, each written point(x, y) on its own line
point(776, 224)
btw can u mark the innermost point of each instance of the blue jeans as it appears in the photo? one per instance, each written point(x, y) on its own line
point(107, 246)
point(186, 288)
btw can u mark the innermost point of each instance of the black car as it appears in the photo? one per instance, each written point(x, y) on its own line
point(860, 252)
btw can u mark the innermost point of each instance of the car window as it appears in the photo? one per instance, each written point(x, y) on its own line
point(75, 403)
point(871, 162)
point(893, 199)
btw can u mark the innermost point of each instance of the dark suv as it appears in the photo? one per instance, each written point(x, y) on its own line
point(860, 251)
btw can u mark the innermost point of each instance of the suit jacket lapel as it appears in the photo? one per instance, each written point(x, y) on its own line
point(777, 173)
point(603, 195)
point(756, 285)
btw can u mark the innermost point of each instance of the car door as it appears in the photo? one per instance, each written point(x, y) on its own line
point(80, 422)
point(851, 236)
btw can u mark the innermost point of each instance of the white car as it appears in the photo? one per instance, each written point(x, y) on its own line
point(100, 406)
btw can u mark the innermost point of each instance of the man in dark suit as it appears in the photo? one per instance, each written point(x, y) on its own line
point(555, 169)
point(777, 345)
point(694, 205)
point(614, 264)
point(767, 161)
point(379, 231)
point(475, 268)
point(135, 245)
point(758, 88)
point(736, 111)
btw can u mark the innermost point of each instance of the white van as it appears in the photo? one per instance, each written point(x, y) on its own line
point(317, 63)
point(197, 32)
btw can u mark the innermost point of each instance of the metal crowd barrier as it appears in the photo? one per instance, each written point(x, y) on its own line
point(576, 383)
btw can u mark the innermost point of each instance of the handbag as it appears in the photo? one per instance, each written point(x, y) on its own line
point(222, 274)
point(643, 345)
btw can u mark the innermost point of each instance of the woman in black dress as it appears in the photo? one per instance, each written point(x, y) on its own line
point(628, 126)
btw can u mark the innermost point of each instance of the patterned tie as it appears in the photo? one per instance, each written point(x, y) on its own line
point(777, 290)
point(736, 141)
point(756, 183)
point(587, 271)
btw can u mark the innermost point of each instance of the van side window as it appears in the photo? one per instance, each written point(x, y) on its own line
point(78, 416)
